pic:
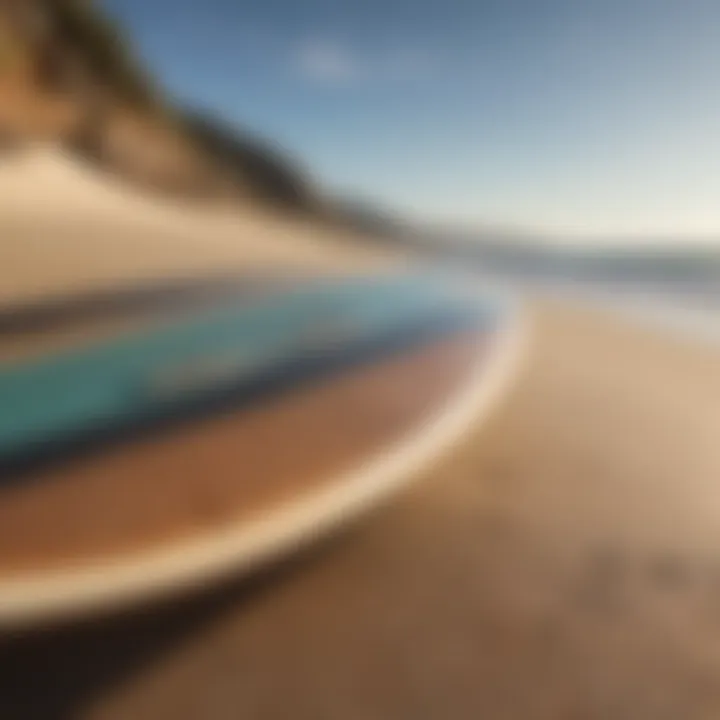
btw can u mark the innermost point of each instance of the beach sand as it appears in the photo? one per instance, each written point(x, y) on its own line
point(563, 563)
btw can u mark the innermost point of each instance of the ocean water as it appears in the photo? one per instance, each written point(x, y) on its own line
point(672, 290)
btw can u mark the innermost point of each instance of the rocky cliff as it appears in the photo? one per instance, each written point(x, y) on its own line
point(68, 75)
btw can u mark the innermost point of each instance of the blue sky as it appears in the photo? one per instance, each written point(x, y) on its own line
point(568, 116)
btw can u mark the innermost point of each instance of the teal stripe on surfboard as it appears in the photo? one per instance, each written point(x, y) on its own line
point(77, 388)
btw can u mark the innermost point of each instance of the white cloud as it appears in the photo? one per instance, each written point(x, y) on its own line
point(332, 63)
point(327, 62)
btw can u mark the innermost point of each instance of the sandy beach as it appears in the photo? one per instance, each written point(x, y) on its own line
point(563, 563)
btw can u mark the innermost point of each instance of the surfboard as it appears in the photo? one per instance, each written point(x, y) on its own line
point(153, 439)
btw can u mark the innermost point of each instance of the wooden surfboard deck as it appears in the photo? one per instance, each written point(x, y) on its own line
point(155, 439)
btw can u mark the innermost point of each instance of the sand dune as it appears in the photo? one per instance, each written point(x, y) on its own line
point(47, 182)
point(67, 226)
